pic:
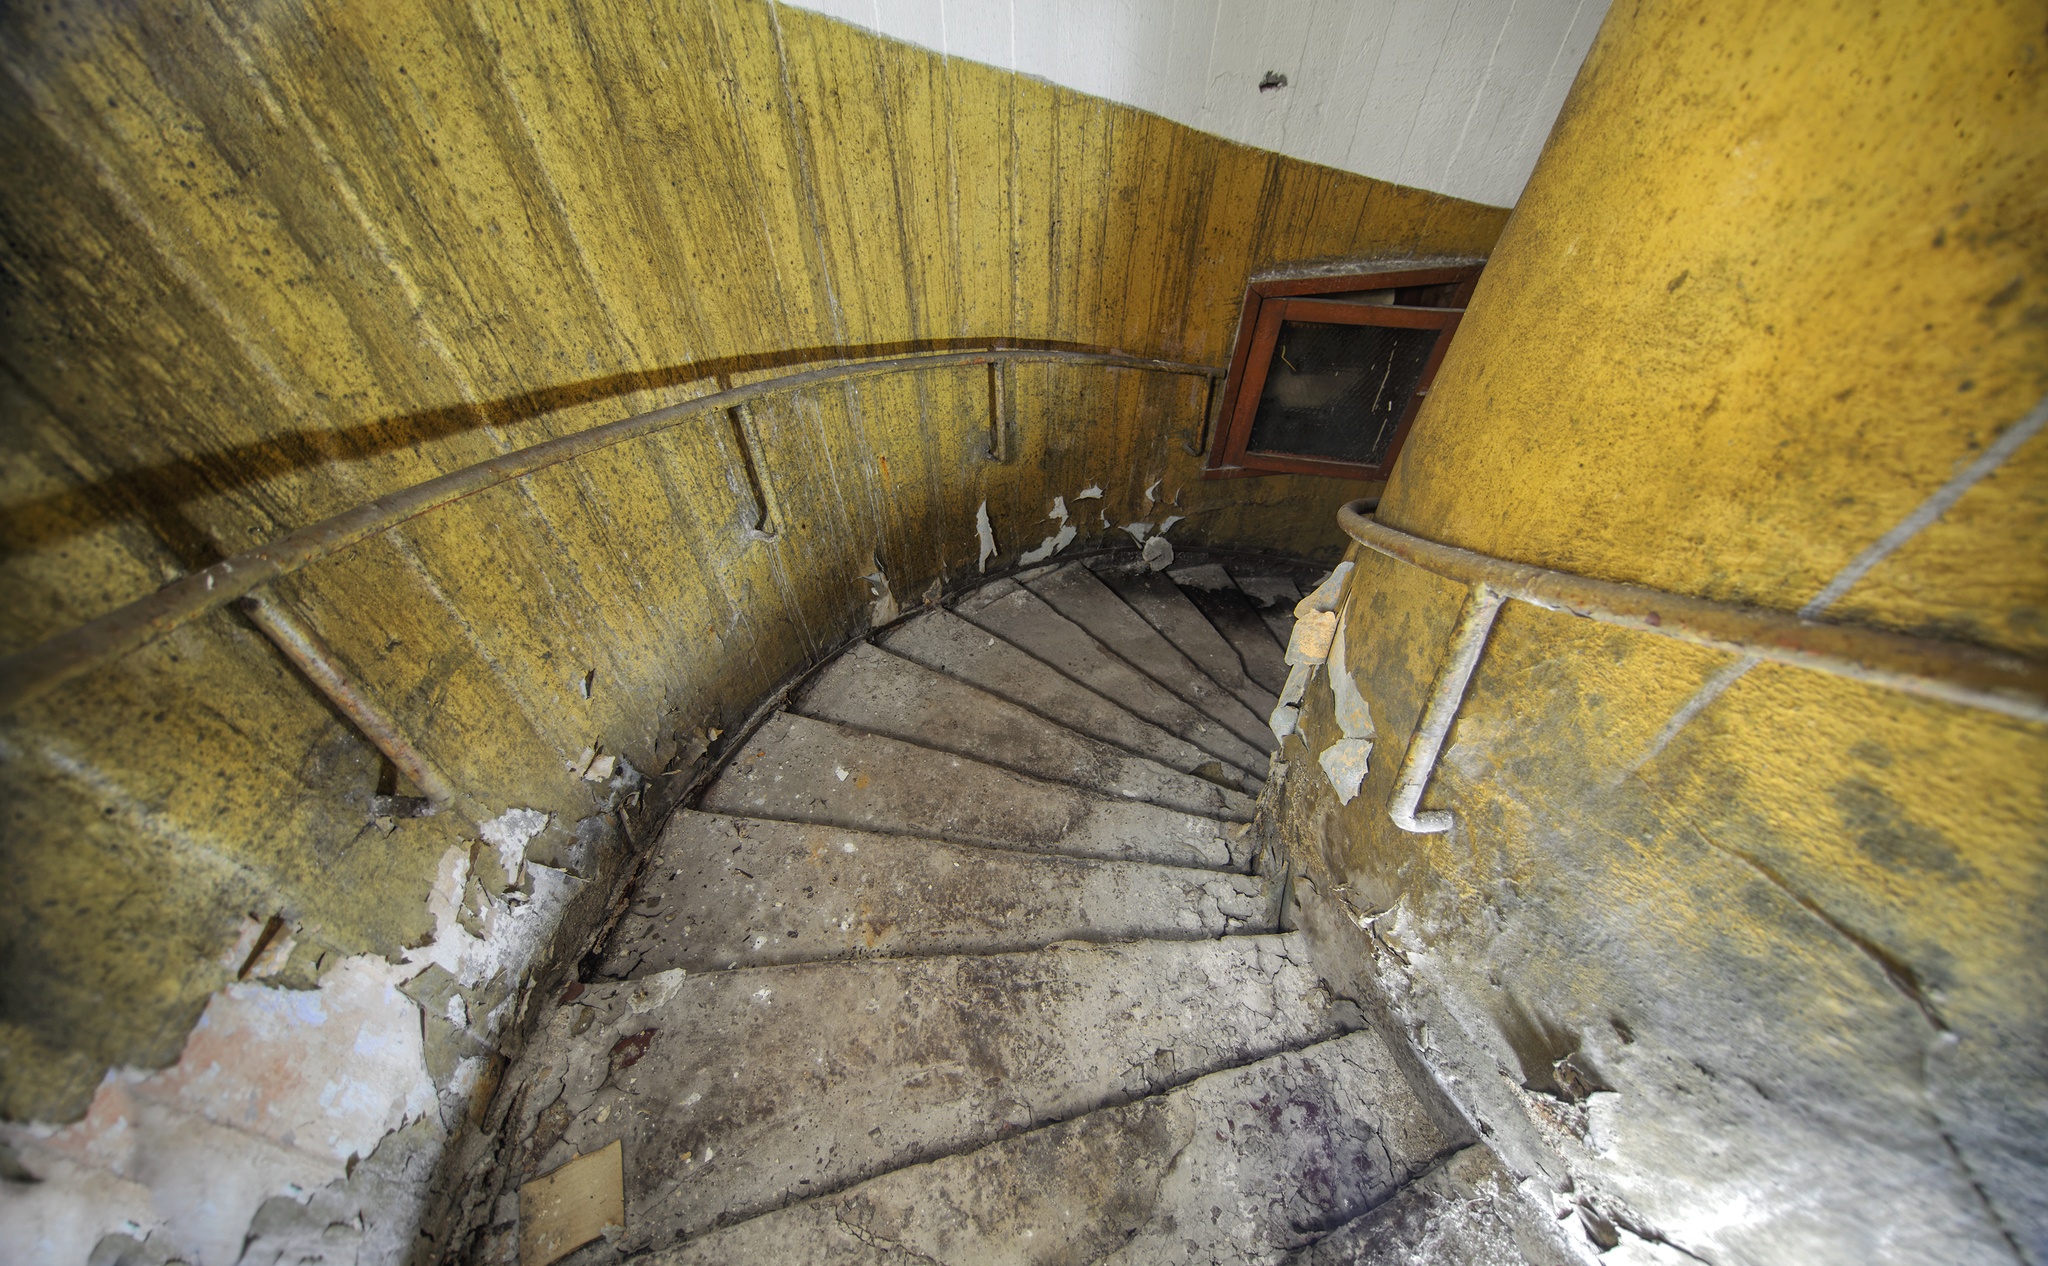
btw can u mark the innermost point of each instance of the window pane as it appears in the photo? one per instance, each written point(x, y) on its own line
point(1339, 391)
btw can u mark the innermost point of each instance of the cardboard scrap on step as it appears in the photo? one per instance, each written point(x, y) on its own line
point(577, 1203)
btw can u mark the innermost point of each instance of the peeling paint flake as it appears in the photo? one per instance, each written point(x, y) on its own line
point(987, 535)
point(510, 832)
point(1092, 491)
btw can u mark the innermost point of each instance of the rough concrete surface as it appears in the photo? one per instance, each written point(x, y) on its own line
point(1275, 596)
point(1467, 1211)
point(945, 643)
point(1079, 595)
point(1235, 615)
point(1237, 1168)
point(1015, 614)
point(737, 1092)
point(1166, 607)
point(743, 892)
point(803, 770)
point(871, 690)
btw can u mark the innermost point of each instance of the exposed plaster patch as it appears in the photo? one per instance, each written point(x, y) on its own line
point(509, 833)
point(275, 1091)
point(987, 535)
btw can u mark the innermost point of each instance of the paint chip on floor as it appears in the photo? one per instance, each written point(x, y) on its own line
point(582, 1201)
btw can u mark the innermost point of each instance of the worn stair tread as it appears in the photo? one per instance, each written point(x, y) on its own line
point(1079, 594)
point(725, 892)
point(800, 769)
point(1161, 604)
point(1237, 1167)
point(734, 1093)
point(945, 643)
point(1273, 594)
point(872, 690)
point(1233, 613)
point(1018, 616)
point(1466, 1211)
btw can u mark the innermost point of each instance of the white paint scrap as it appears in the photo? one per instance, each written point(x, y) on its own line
point(1158, 553)
point(1049, 546)
point(1091, 491)
point(987, 535)
point(654, 991)
point(1345, 763)
point(509, 833)
point(1325, 596)
point(1171, 519)
point(1138, 531)
point(839, 772)
point(1059, 509)
point(600, 769)
point(1151, 493)
point(1354, 714)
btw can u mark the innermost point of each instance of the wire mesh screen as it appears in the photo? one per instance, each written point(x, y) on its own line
point(1339, 391)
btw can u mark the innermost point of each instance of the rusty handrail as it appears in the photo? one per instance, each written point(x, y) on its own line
point(28, 674)
point(1957, 672)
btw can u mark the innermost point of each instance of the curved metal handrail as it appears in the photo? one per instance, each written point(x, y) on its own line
point(1958, 672)
point(30, 673)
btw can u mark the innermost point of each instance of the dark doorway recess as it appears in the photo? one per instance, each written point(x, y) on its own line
point(1329, 371)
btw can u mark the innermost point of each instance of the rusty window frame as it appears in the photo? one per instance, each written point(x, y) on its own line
point(1268, 303)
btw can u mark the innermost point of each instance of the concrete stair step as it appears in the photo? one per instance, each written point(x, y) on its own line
point(1020, 617)
point(948, 644)
point(724, 892)
point(1078, 594)
point(1273, 594)
point(1466, 1211)
point(1237, 618)
point(736, 1093)
point(1161, 604)
point(871, 690)
point(798, 769)
point(1237, 1167)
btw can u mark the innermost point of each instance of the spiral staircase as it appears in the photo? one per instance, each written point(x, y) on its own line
point(977, 951)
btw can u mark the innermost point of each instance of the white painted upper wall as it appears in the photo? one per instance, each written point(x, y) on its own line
point(1453, 96)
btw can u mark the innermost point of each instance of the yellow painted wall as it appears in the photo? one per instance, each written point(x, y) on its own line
point(1778, 277)
point(265, 262)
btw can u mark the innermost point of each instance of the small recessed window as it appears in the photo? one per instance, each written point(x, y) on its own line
point(1329, 371)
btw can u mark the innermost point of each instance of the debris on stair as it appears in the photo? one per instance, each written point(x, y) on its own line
point(582, 1201)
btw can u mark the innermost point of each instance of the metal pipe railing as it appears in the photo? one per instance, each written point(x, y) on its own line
point(30, 673)
point(1955, 672)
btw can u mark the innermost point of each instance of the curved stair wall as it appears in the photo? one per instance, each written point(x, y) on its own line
point(1744, 956)
point(275, 265)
